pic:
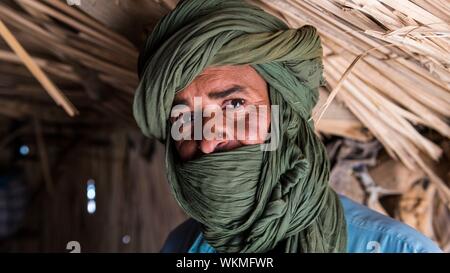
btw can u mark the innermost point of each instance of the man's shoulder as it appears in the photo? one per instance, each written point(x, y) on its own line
point(182, 237)
point(370, 231)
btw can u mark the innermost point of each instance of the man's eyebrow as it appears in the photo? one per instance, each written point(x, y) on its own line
point(225, 93)
point(178, 101)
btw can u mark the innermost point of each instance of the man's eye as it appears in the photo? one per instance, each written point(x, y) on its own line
point(184, 118)
point(187, 118)
point(234, 103)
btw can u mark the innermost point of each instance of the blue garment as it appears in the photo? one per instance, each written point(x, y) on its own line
point(368, 231)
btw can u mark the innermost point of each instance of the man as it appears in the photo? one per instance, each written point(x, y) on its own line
point(260, 189)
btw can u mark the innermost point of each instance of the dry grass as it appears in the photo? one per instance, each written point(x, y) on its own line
point(388, 61)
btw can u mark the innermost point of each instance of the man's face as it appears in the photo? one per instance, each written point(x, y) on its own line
point(230, 94)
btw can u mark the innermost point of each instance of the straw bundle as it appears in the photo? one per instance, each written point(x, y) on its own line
point(74, 47)
point(388, 61)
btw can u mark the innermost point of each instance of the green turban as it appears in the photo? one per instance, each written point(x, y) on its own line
point(247, 200)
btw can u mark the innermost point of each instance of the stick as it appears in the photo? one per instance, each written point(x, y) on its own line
point(51, 89)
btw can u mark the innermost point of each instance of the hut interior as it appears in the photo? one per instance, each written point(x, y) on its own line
point(75, 167)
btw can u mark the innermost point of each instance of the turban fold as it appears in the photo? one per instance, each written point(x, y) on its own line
point(247, 200)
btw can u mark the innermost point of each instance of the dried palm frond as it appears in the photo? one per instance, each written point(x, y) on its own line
point(388, 61)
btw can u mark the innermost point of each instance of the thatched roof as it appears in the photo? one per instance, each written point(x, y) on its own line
point(388, 61)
